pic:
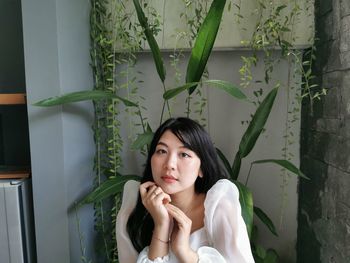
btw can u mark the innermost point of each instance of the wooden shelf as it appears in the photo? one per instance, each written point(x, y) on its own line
point(14, 174)
point(12, 98)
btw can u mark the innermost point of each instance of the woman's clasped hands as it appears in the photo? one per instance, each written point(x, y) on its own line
point(169, 220)
point(154, 200)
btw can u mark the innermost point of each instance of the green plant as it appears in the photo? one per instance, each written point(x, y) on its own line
point(107, 95)
point(246, 145)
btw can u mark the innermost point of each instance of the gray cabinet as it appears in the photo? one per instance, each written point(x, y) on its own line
point(17, 244)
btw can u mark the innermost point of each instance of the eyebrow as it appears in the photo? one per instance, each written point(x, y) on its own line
point(164, 144)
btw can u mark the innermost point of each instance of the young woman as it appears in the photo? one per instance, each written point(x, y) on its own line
point(184, 210)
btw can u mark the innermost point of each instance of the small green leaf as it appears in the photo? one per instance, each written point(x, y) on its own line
point(82, 96)
point(285, 164)
point(173, 92)
point(265, 219)
point(142, 140)
point(246, 201)
point(271, 256)
point(224, 161)
point(260, 251)
point(279, 8)
point(228, 87)
point(285, 29)
point(110, 187)
point(204, 43)
point(151, 41)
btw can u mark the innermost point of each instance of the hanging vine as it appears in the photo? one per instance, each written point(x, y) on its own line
point(115, 39)
point(108, 34)
point(275, 30)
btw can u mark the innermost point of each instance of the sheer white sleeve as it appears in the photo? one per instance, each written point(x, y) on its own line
point(226, 229)
point(209, 255)
point(126, 251)
point(143, 257)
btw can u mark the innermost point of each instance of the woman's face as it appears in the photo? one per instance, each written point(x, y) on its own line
point(175, 168)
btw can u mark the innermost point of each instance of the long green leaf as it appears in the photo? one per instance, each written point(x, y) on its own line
point(204, 43)
point(109, 187)
point(246, 201)
point(82, 96)
point(265, 219)
point(257, 123)
point(173, 92)
point(142, 140)
point(221, 84)
point(285, 164)
point(254, 130)
point(228, 87)
point(151, 41)
point(224, 161)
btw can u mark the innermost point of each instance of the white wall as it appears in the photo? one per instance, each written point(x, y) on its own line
point(224, 115)
point(56, 47)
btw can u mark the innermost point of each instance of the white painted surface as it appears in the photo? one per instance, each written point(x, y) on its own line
point(56, 50)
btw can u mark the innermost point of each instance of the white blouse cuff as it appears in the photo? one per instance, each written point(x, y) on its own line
point(209, 255)
point(143, 257)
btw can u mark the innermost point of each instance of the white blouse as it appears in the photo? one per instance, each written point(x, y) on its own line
point(223, 239)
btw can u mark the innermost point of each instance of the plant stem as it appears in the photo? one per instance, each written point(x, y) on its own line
point(163, 108)
point(188, 106)
point(250, 168)
point(81, 237)
point(161, 116)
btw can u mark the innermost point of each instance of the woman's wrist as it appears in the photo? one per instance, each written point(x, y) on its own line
point(159, 246)
point(165, 242)
point(162, 231)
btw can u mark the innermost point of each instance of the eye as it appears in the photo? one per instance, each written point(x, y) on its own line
point(160, 151)
point(185, 155)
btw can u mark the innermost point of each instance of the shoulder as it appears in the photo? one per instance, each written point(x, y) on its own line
point(131, 185)
point(130, 194)
point(221, 190)
point(221, 203)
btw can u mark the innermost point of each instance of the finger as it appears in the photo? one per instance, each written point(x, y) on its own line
point(151, 192)
point(175, 210)
point(167, 199)
point(162, 198)
point(182, 220)
point(177, 214)
point(143, 188)
point(154, 191)
point(158, 190)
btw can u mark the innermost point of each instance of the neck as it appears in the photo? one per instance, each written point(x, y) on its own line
point(185, 200)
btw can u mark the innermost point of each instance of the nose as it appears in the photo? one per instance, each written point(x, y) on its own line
point(170, 162)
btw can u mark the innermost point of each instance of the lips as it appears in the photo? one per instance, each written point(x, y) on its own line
point(169, 179)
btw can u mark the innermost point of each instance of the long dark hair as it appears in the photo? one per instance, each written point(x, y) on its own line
point(140, 224)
